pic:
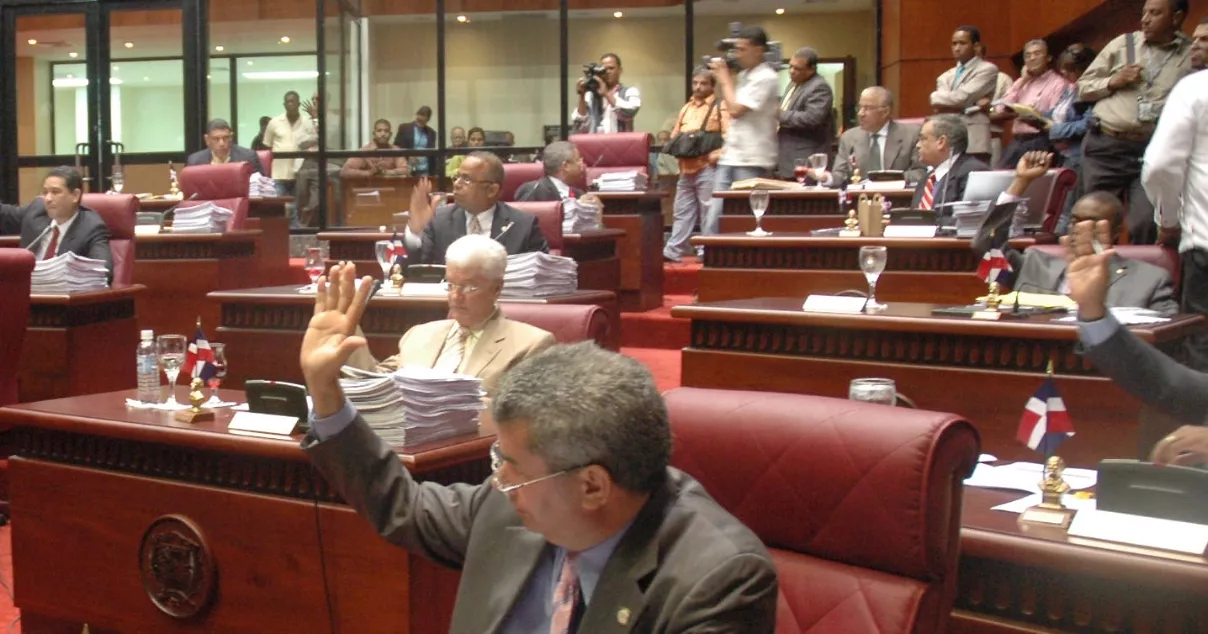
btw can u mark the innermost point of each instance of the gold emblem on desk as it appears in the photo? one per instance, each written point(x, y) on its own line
point(173, 187)
point(196, 413)
point(397, 279)
point(1051, 511)
point(851, 226)
point(856, 177)
point(993, 300)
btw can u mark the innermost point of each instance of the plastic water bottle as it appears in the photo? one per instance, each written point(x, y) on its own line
point(148, 368)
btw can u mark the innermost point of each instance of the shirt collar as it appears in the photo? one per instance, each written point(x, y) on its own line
point(943, 168)
point(476, 329)
point(884, 131)
point(591, 562)
point(563, 188)
point(66, 224)
point(485, 218)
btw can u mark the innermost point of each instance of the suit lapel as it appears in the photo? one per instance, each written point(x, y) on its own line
point(893, 145)
point(459, 219)
point(497, 584)
point(427, 354)
point(502, 219)
point(1118, 271)
point(488, 347)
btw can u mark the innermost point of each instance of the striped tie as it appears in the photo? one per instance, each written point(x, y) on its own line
point(928, 193)
point(454, 350)
point(566, 595)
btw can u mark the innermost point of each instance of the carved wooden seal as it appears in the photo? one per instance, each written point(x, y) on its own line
point(177, 567)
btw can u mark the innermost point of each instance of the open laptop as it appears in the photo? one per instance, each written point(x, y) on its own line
point(988, 185)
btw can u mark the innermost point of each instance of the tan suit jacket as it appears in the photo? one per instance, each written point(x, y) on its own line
point(980, 79)
point(901, 152)
point(503, 344)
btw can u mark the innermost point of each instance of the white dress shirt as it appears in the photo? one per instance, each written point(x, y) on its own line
point(1175, 173)
point(881, 138)
point(485, 220)
point(63, 227)
point(751, 139)
point(563, 188)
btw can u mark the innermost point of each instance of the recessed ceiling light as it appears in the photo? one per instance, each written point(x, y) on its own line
point(70, 76)
point(285, 39)
point(249, 62)
point(617, 14)
point(32, 42)
point(220, 48)
point(73, 55)
point(146, 79)
point(129, 44)
point(116, 68)
point(780, 11)
point(462, 18)
point(207, 75)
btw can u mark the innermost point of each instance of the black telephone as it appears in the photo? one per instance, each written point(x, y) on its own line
point(426, 273)
point(278, 397)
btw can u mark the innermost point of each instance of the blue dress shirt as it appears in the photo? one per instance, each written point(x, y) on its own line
point(1093, 333)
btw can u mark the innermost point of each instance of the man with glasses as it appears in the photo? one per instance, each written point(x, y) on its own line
point(476, 211)
point(221, 148)
point(1039, 88)
point(476, 339)
point(583, 526)
point(879, 143)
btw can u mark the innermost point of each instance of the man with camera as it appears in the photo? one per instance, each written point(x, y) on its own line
point(605, 105)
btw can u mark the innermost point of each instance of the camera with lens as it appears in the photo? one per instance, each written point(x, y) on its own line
point(592, 74)
point(728, 47)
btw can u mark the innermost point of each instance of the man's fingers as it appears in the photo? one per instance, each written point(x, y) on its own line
point(1188, 458)
point(347, 287)
point(321, 294)
point(360, 300)
point(1103, 232)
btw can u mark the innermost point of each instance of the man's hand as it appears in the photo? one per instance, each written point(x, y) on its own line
point(1033, 165)
point(983, 104)
point(591, 199)
point(1187, 445)
point(581, 86)
point(329, 339)
point(720, 69)
point(311, 109)
point(421, 206)
point(1125, 77)
point(1087, 271)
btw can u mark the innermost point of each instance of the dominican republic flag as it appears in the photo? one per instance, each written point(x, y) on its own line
point(396, 250)
point(199, 360)
point(1045, 423)
point(994, 267)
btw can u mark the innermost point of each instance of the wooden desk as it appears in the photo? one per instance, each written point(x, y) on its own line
point(263, 327)
point(796, 210)
point(10, 242)
point(983, 370)
point(79, 343)
point(179, 269)
point(640, 216)
point(92, 476)
point(595, 251)
point(373, 200)
point(1012, 581)
point(738, 266)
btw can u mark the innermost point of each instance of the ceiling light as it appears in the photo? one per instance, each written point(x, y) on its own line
point(146, 79)
point(283, 74)
point(249, 62)
point(129, 44)
point(70, 82)
point(780, 11)
point(70, 76)
point(220, 48)
point(462, 18)
point(617, 14)
point(73, 55)
point(285, 39)
point(116, 68)
point(32, 42)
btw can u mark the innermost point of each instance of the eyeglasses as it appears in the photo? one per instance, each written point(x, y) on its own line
point(465, 289)
point(864, 108)
point(466, 179)
point(497, 464)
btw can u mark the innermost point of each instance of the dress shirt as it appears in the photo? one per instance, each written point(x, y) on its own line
point(420, 140)
point(753, 142)
point(471, 340)
point(214, 160)
point(691, 118)
point(1093, 333)
point(282, 136)
point(943, 168)
point(882, 138)
point(1175, 172)
point(563, 188)
point(485, 219)
point(1042, 93)
point(63, 227)
point(1118, 110)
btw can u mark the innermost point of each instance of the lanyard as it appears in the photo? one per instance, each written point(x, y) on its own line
point(1152, 75)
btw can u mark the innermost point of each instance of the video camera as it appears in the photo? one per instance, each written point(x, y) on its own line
point(592, 73)
point(774, 54)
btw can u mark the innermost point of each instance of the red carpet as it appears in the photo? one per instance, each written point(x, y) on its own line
point(657, 328)
point(680, 278)
point(663, 364)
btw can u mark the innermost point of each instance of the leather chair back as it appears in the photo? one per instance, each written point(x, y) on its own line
point(622, 152)
point(859, 504)
point(16, 266)
point(1064, 180)
point(549, 220)
point(226, 185)
point(919, 121)
point(1157, 255)
point(517, 174)
point(266, 161)
point(568, 323)
point(120, 213)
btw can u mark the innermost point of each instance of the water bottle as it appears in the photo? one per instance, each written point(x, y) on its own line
point(1019, 218)
point(147, 364)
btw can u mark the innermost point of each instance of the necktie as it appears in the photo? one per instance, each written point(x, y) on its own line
point(928, 193)
point(454, 351)
point(956, 79)
point(570, 193)
point(54, 244)
point(475, 226)
point(788, 97)
point(875, 149)
point(566, 595)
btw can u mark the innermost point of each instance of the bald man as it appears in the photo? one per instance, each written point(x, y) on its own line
point(879, 143)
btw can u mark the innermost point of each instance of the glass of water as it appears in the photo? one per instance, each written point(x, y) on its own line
point(118, 180)
point(171, 350)
point(880, 391)
point(872, 262)
point(818, 165)
point(759, 204)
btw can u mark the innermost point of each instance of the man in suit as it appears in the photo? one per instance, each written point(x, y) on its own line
point(807, 121)
point(563, 165)
point(959, 89)
point(221, 148)
point(582, 527)
point(476, 210)
point(56, 223)
point(943, 142)
point(476, 339)
point(879, 143)
point(417, 135)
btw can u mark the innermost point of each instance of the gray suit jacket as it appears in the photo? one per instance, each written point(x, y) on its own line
point(684, 565)
point(1151, 376)
point(951, 187)
point(239, 154)
point(88, 235)
point(980, 79)
point(807, 125)
point(901, 153)
point(1133, 283)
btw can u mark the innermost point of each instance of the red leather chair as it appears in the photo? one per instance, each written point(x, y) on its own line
point(568, 323)
point(622, 152)
point(1063, 186)
point(859, 504)
point(1157, 255)
point(919, 121)
point(549, 220)
point(120, 212)
point(16, 266)
point(226, 185)
point(517, 174)
point(266, 161)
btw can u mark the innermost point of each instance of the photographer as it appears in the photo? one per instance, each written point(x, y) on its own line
point(604, 104)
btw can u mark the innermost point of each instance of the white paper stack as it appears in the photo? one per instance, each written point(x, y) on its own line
point(204, 218)
point(968, 216)
point(68, 272)
point(621, 181)
point(262, 186)
point(415, 405)
point(539, 275)
point(578, 216)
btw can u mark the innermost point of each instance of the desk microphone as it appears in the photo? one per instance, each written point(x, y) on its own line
point(1021, 286)
point(33, 246)
point(503, 230)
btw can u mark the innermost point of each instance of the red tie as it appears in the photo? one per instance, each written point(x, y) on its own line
point(54, 244)
point(570, 193)
point(928, 192)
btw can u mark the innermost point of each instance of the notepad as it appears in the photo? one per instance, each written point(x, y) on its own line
point(1036, 300)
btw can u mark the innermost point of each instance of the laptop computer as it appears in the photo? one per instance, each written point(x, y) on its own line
point(988, 185)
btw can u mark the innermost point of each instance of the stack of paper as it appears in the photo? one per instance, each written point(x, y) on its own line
point(579, 216)
point(68, 272)
point(540, 274)
point(968, 216)
point(415, 405)
point(262, 186)
point(621, 181)
point(204, 218)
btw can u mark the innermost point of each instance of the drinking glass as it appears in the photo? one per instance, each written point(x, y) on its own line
point(800, 171)
point(314, 263)
point(220, 369)
point(171, 350)
point(872, 262)
point(118, 180)
point(383, 249)
point(881, 391)
point(818, 164)
point(759, 204)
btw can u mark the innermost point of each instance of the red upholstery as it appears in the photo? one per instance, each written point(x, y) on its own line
point(1164, 257)
point(226, 185)
point(1063, 186)
point(16, 266)
point(120, 211)
point(622, 152)
point(517, 174)
point(859, 504)
point(919, 121)
point(568, 323)
point(266, 161)
point(549, 220)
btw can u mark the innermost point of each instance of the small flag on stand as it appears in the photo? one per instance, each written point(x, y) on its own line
point(396, 250)
point(199, 360)
point(994, 267)
point(1045, 423)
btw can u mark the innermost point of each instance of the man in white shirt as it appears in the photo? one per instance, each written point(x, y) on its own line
point(612, 107)
point(1175, 177)
point(287, 132)
point(750, 149)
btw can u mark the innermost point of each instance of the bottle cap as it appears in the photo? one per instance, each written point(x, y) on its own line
point(147, 334)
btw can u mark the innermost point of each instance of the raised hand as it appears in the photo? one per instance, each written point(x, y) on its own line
point(421, 211)
point(1087, 271)
point(1033, 165)
point(330, 336)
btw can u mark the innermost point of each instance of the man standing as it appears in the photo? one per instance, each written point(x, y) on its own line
point(56, 223)
point(807, 121)
point(752, 104)
point(365, 166)
point(221, 148)
point(1199, 47)
point(1040, 88)
point(287, 132)
point(694, 188)
point(943, 142)
point(1129, 82)
point(959, 90)
point(417, 135)
point(611, 107)
point(879, 143)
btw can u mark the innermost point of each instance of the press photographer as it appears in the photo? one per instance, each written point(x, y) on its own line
point(604, 104)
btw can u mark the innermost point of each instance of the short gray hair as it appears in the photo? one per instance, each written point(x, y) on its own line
point(481, 252)
point(556, 155)
point(952, 127)
point(882, 92)
point(588, 406)
point(808, 54)
point(1037, 43)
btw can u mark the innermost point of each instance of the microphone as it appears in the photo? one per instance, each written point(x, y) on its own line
point(503, 230)
point(170, 213)
point(1019, 288)
point(33, 246)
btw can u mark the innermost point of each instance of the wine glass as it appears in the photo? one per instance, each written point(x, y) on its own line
point(872, 262)
point(881, 391)
point(818, 163)
point(220, 369)
point(171, 350)
point(383, 250)
point(759, 204)
point(118, 180)
point(800, 171)
point(314, 264)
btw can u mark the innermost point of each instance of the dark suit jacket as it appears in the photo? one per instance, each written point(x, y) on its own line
point(684, 565)
point(449, 224)
point(1132, 284)
point(1153, 377)
point(88, 236)
point(239, 154)
point(951, 187)
point(807, 125)
point(406, 136)
point(901, 152)
point(542, 190)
